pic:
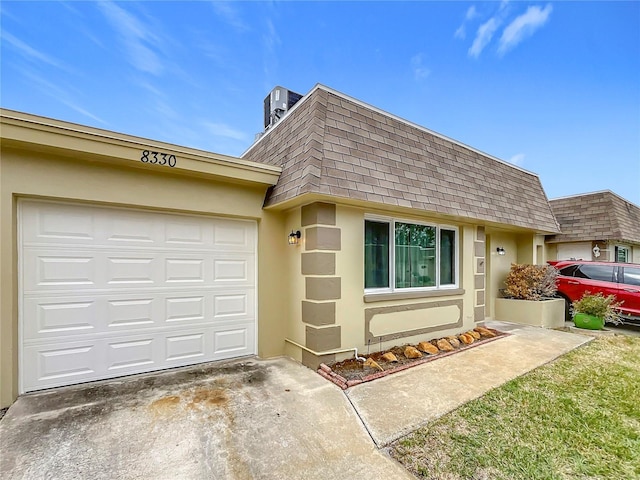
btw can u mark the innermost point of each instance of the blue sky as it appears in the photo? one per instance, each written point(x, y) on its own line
point(553, 87)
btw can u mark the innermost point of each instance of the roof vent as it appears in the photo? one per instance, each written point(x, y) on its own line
point(277, 104)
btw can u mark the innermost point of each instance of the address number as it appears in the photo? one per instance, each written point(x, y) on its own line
point(158, 158)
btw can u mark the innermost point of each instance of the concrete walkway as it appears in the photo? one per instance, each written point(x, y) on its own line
point(253, 419)
point(394, 406)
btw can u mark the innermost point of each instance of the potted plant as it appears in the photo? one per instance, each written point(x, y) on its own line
point(529, 297)
point(592, 311)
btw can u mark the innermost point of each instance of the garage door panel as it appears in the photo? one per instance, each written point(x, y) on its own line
point(58, 365)
point(185, 347)
point(45, 223)
point(229, 235)
point(130, 354)
point(181, 270)
point(188, 233)
point(56, 317)
point(107, 292)
point(50, 269)
point(235, 341)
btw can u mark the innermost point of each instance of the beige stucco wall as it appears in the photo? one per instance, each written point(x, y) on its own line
point(498, 265)
point(26, 173)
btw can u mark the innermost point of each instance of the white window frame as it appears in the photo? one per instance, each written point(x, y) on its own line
point(391, 221)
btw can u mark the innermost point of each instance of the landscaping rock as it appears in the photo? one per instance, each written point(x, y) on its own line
point(466, 339)
point(370, 362)
point(485, 332)
point(475, 335)
point(412, 352)
point(444, 345)
point(427, 347)
point(390, 357)
point(455, 343)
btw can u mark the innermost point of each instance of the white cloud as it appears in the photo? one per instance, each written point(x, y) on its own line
point(223, 130)
point(517, 159)
point(28, 51)
point(483, 36)
point(61, 95)
point(138, 38)
point(225, 10)
point(461, 32)
point(523, 26)
point(419, 70)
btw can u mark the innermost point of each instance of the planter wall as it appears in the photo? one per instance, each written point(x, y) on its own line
point(545, 313)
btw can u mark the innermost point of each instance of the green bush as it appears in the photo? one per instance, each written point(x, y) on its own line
point(599, 305)
point(531, 282)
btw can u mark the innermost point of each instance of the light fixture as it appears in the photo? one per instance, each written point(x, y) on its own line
point(500, 251)
point(294, 237)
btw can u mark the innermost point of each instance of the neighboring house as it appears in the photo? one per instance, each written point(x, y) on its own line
point(596, 226)
point(122, 255)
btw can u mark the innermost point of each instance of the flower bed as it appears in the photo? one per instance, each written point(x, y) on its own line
point(351, 372)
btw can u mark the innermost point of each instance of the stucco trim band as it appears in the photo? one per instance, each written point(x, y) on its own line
point(369, 313)
point(383, 297)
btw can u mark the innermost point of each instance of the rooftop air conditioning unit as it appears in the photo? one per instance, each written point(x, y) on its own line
point(277, 103)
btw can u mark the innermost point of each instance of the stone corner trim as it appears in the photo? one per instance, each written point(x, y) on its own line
point(319, 313)
point(319, 213)
point(323, 238)
point(323, 288)
point(318, 263)
point(321, 339)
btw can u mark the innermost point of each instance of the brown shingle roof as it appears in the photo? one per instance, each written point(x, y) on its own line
point(596, 216)
point(335, 145)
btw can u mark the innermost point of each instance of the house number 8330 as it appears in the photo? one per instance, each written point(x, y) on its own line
point(158, 158)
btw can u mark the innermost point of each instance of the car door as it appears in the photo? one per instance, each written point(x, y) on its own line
point(629, 291)
point(593, 279)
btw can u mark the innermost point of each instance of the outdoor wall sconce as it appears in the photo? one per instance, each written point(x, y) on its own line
point(294, 237)
point(500, 251)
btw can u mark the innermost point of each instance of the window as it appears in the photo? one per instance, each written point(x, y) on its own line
point(632, 276)
point(402, 255)
point(622, 254)
point(603, 273)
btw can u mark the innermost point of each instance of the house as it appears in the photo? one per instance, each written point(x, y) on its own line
point(596, 226)
point(343, 227)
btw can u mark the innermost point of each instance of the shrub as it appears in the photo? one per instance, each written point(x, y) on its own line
point(597, 305)
point(531, 282)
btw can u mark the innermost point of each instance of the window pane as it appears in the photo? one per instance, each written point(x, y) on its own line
point(622, 254)
point(632, 276)
point(376, 254)
point(415, 255)
point(596, 272)
point(447, 257)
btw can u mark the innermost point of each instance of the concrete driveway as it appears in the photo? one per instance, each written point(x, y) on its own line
point(243, 420)
point(254, 419)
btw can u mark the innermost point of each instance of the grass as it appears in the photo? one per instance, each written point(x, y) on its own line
point(576, 418)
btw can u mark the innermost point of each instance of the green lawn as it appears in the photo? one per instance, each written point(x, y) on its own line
point(576, 418)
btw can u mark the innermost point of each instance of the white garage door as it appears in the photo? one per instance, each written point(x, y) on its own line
point(574, 251)
point(107, 292)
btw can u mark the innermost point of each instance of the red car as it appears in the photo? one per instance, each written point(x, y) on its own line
point(620, 279)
